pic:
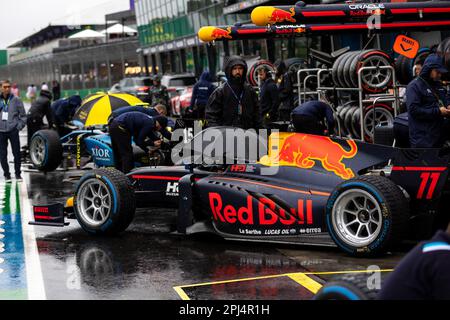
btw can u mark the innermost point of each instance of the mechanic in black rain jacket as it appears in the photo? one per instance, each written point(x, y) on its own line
point(158, 110)
point(39, 109)
point(234, 103)
point(427, 104)
point(286, 90)
point(424, 274)
point(269, 95)
point(139, 127)
point(309, 116)
point(63, 111)
point(201, 92)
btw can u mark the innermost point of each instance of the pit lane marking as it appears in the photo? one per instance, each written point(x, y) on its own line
point(36, 288)
point(300, 278)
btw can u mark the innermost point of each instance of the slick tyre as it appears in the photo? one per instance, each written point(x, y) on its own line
point(366, 216)
point(46, 150)
point(104, 202)
point(350, 287)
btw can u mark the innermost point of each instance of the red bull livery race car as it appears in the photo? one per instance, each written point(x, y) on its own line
point(306, 189)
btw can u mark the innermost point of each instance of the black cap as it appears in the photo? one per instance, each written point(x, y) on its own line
point(162, 121)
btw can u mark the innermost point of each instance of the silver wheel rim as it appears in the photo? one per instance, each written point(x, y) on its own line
point(94, 202)
point(379, 78)
point(37, 150)
point(357, 218)
point(382, 117)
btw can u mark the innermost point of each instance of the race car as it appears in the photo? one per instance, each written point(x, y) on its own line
point(313, 190)
point(47, 150)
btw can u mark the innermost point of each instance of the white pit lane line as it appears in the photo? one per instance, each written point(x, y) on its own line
point(35, 281)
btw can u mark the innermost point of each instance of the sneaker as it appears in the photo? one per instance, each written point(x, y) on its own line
point(8, 179)
point(19, 178)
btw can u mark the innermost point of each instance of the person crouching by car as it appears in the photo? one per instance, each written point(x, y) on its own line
point(428, 106)
point(39, 109)
point(158, 110)
point(139, 127)
point(309, 118)
point(63, 111)
point(235, 103)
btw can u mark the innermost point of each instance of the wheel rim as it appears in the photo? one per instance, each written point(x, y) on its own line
point(376, 79)
point(37, 150)
point(357, 218)
point(383, 117)
point(94, 203)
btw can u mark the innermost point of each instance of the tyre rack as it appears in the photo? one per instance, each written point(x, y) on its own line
point(386, 97)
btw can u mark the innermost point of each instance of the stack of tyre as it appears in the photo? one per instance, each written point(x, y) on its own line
point(349, 117)
point(347, 66)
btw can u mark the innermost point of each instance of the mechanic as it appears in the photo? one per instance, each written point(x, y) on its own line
point(201, 92)
point(63, 111)
point(428, 107)
point(159, 93)
point(424, 274)
point(39, 109)
point(13, 120)
point(309, 118)
point(158, 110)
point(142, 128)
point(234, 103)
point(286, 90)
point(269, 96)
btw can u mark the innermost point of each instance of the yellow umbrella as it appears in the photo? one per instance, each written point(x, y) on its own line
point(96, 108)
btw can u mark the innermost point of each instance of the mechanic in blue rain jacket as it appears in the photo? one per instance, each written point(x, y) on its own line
point(424, 274)
point(63, 111)
point(139, 127)
point(428, 107)
point(201, 92)
point(309, 117)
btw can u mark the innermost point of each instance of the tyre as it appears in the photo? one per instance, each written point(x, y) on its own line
point(104, 202)
point(366, 216)
point(348, 120)
point(349, 287)
point(46, 151)
point(404, 66)
point(383, 117)
point(343, 116)
point(346, 73)
point(252, 75)
point(356, 123)
point(341, 69)
point(335, 70)
point(373, 81)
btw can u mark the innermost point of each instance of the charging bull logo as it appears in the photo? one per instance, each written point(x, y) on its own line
point(305, 151)
point(221, 34)
point(280, 16)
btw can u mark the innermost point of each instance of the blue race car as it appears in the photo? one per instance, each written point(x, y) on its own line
point(93, 144)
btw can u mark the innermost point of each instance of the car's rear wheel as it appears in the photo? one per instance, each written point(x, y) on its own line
point(104, 202)
point(46, 150)
point(366, 216)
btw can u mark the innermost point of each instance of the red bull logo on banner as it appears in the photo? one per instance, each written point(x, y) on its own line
point(280, 16)
point(307, 151)
point(208, 34)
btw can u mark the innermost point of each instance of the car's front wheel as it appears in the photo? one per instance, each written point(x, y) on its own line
point(367, 216)
point(104, 202)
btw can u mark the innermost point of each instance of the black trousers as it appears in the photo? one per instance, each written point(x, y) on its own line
point(33, 126)
point(122, 148)
point(307, 124)
point(13, 138)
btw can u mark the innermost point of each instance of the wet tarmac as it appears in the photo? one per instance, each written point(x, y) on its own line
point(147, 262)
